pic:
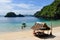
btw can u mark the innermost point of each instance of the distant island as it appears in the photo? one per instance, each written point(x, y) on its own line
point(50, 11)
point(12, 14)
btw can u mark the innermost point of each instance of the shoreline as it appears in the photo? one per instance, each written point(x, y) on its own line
point(28, 35)
point(22, 30)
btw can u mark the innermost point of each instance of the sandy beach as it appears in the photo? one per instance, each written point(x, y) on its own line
point(28, 35)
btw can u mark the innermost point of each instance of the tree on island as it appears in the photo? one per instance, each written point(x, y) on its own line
point(50, 11)
point(20, 15)
point(12, 14)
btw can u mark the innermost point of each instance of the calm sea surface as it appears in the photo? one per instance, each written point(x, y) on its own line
point(14, 24)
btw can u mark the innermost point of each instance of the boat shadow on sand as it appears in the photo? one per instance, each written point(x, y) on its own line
point(45, 36)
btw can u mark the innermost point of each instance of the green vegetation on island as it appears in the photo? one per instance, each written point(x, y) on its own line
point(50, 11)
point(12, 14)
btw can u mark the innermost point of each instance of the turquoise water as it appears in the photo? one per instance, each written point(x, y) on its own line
point(14, 24)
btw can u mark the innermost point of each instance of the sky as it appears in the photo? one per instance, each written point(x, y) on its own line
point(26, 7)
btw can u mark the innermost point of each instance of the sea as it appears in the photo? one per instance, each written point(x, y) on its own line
point(14, 24)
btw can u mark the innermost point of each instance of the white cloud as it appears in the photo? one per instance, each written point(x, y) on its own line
point(23, 5)
point(27, 6)
point(24, 11)
point(7, 6)
point(4, 6)
point(5, 1)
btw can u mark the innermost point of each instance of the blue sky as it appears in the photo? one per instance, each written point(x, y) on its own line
point(28, 7)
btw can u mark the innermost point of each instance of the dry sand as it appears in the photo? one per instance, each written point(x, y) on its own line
point(28, 35)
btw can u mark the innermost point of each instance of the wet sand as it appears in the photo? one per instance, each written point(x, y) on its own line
point(28, 35)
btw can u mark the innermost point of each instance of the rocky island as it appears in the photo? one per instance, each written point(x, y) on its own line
point(50, 11)
point(12, 14)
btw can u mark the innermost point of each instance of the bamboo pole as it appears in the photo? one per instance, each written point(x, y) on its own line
point(51, 27)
